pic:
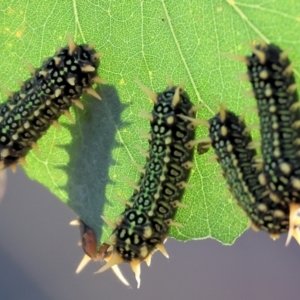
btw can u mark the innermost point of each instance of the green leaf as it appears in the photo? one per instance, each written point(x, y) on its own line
point(85, 164)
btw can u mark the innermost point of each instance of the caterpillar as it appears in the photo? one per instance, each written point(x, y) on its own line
point(271, 75)
point(89, 244)
point(144, 225)
point(44, 97)
point(232, 144)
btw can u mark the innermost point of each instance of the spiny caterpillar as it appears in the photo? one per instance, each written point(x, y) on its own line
point(271, 75)
point(89, 244)
point(232, 143)
point(43, 98)
point(144, 225)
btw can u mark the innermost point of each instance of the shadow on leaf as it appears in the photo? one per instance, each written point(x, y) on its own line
point(90, 153)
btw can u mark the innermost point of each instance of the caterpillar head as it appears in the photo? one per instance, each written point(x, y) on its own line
point(89, 244)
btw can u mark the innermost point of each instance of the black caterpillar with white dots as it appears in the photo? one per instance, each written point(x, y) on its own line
point(144, 225)
point(267, 188)
point(271, 75)
point(274, 88)
point(231, 141)
point(43, 98)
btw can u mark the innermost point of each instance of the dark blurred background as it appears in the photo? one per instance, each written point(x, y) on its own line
point(39, 255)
